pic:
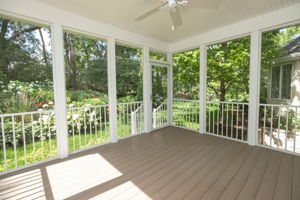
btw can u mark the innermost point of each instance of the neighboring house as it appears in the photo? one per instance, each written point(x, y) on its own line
point(284, 87)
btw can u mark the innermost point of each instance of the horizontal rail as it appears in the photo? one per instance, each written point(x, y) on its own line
point(26, 113)
point(228, 102)
point(86, 107)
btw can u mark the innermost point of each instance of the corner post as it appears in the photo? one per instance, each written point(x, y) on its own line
point(170, 90)
point(60, 91)
point(254, 87)
point(202, 88)
point(147, 90)
point(112, 90)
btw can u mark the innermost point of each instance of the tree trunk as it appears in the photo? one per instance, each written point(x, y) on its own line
point(46, 60)
point(71, 58)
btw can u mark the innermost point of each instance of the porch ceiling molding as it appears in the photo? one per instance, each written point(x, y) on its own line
point(272, 19)
point(33, 10)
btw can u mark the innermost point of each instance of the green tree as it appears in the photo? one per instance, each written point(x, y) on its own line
point(186, 73)
point(228, 70)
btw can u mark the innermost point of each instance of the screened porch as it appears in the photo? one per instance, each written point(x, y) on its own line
point(96, 110)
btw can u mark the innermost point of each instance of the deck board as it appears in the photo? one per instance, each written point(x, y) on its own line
point(170, 163)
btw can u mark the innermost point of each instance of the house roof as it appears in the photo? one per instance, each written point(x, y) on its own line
point(293, 47)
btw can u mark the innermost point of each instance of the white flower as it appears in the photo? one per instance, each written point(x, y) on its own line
point(45, 105)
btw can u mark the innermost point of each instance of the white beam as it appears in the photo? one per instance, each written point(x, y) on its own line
point(170, 89)
point(59, 90)
point(147, 90)
point(254, 87)
point(112, 90)
point(202, 90)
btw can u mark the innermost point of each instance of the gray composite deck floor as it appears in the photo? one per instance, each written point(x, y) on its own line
point(170, 163)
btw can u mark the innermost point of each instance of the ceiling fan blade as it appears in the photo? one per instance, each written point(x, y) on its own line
point(149, 13)
point(176, 17)
point(213, 4)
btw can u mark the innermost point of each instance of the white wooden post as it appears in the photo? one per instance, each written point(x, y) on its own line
point(59, 91)
point(170, 90)
point(147, 90)
point(202, 89)
point(254, 87)
point(112, 90)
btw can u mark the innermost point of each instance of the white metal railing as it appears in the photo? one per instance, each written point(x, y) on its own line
point(186, 113)
point(27, 138)
point(279, 127)
point(137, 120)
point(227, 119)
point(125, 118)
point(87, 126)
point(160, 115)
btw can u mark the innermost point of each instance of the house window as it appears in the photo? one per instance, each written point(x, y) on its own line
point(281, 82)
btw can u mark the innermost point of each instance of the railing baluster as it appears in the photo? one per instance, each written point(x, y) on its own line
point(218, 119)
point(296, 129)
point(264, 132)
point(286, 126)
point(278, 131)
point(271, 129)
point(79, 128)
point(95, 124)
point(41, 136)
point(14, 141)
point(209, 117)
point(73, 123)
point(33, 138)
point(106, 120)
point(24, 139)
point(49, 134)
point(4, 143)
point(222, 107)
point(84, 127)
point(227, 115)
point(243, 116)
point(237, 121)
point(231, 120)
point(100, 128)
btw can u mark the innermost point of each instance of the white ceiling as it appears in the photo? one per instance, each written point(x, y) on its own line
point(122, 13)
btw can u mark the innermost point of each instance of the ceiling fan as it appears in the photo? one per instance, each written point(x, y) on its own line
point(173, 6)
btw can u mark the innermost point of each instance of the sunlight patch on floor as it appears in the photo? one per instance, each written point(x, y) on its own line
point(28, 185)
point(117, 193)
point(74, 176)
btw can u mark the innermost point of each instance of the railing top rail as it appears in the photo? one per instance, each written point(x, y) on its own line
point(25, 113)
point(191, 100)
point(228, 102)
point(279, 105)
point(129, 102)
point(159, 107)
point(86, 107)
point(138, 109)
